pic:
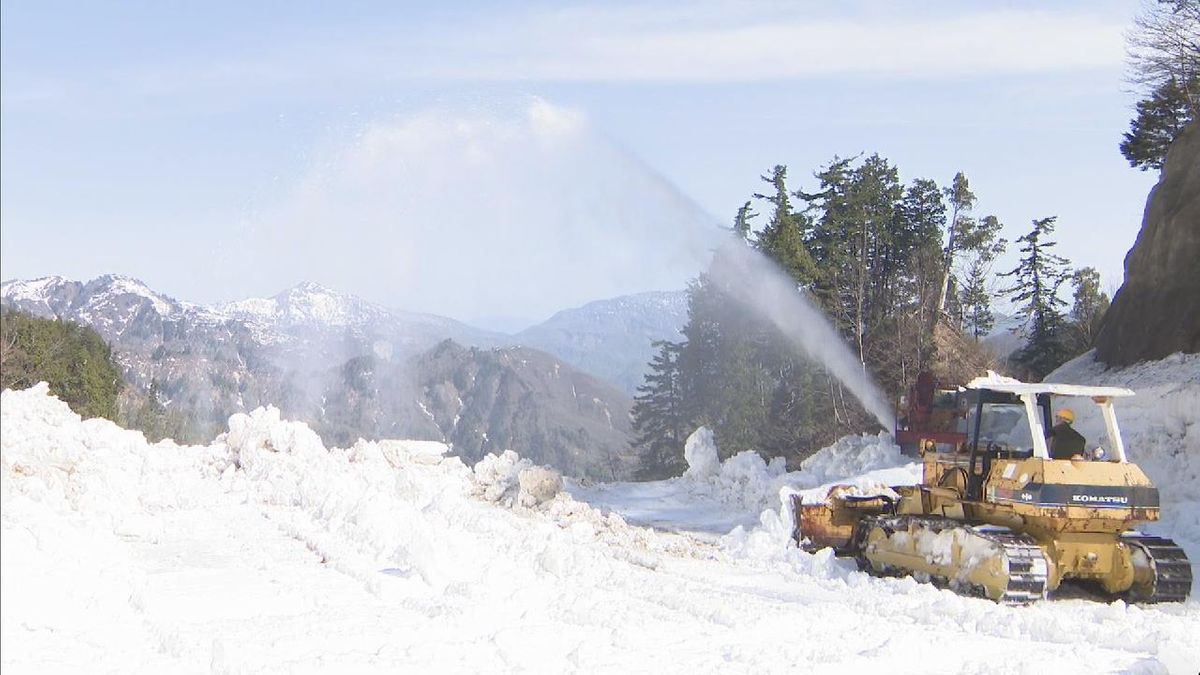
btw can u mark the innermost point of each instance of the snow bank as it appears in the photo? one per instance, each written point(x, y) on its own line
point(868, 464)
point(746, 481)
point(509, 480)
point(265, 552)
point(700, 452)
point(853, 456)
point(71, 492)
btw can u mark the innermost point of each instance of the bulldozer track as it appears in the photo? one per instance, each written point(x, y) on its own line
point(1027, 566)
point(1172, 571)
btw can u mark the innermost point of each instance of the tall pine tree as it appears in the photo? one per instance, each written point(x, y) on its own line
point(659, 418)
point(983, 244)
point(1087, 311)
point(1037, 279)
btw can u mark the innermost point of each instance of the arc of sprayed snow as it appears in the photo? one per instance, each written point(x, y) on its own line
point(757, 283)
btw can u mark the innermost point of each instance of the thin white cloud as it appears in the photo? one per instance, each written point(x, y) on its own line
point(754, 47)
point(708, 42)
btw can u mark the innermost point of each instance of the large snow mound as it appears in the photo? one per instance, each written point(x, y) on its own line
point(266, 552)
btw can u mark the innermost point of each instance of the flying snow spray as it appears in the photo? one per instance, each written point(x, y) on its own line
point(757, 283)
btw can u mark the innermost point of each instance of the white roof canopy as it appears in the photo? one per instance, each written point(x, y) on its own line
point(996, 382)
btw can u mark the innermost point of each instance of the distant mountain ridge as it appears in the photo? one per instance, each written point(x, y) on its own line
point(1006, 337)
point(612, 338)
point(353, 368)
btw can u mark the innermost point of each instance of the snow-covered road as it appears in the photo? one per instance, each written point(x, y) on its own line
point(265, 552)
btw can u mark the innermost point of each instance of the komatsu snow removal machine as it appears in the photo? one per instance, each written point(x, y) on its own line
point(996, 515)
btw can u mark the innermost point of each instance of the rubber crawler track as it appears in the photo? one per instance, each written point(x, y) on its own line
point(1172, 571)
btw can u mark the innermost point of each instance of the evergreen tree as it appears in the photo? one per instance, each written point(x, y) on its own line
point(976, 302)
point(832, 243)
point(74, 360)
point(1037, 279)
point(875, 189)
point(1159, 119)
point(1087, 311)
point(741, 222)
point(658, 415)
point(782, 239)
point(921, 220)
point(983, 244)
point(1164, 60)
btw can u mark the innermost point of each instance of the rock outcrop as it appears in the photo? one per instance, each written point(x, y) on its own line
point(1157, 311)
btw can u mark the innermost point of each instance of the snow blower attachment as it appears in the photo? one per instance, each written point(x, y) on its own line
point(996, 515)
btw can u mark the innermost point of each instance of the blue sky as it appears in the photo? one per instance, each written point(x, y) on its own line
point(481, 160)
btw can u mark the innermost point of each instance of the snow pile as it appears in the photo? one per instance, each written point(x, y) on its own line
point(513, 482)
point(866, 465)
point(509, 480)
point(743, 481)
point(853, 456)
point(539, 484)
point(992, 378)
point(746, 481)
point(71, 491)
point(700, 452)
point(497, 477)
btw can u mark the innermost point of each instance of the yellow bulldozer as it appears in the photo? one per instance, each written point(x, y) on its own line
point(998, 515)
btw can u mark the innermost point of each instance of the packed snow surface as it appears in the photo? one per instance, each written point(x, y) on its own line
point(267, 552)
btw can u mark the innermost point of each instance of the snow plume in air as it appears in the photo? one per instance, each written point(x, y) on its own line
point(509, 209)
point(756, 282)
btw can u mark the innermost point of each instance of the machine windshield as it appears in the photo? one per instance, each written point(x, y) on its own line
point(1003, 425)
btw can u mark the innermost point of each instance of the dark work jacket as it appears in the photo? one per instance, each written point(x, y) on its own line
point(1065, 442)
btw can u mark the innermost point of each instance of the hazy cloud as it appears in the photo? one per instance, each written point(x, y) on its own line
point(706, 42)
point(523, 210)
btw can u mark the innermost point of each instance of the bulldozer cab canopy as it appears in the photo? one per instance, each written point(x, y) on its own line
point(1052, 388)
point(1011, 396)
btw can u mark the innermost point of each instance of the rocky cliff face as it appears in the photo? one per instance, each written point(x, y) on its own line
point(486, 400)
point(1157, 311)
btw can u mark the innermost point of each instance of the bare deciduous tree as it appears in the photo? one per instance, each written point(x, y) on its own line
point(1164, 46)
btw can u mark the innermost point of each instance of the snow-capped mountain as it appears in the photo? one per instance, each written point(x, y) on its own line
point(112, 304)
point(612, 338)
point(157, 340)
point(314, 321)
point(350, 368)
point(307, 303)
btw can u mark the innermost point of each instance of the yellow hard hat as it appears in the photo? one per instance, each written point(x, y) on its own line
point(1067, 415)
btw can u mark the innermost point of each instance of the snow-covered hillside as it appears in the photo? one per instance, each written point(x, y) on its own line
point(266, 552)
